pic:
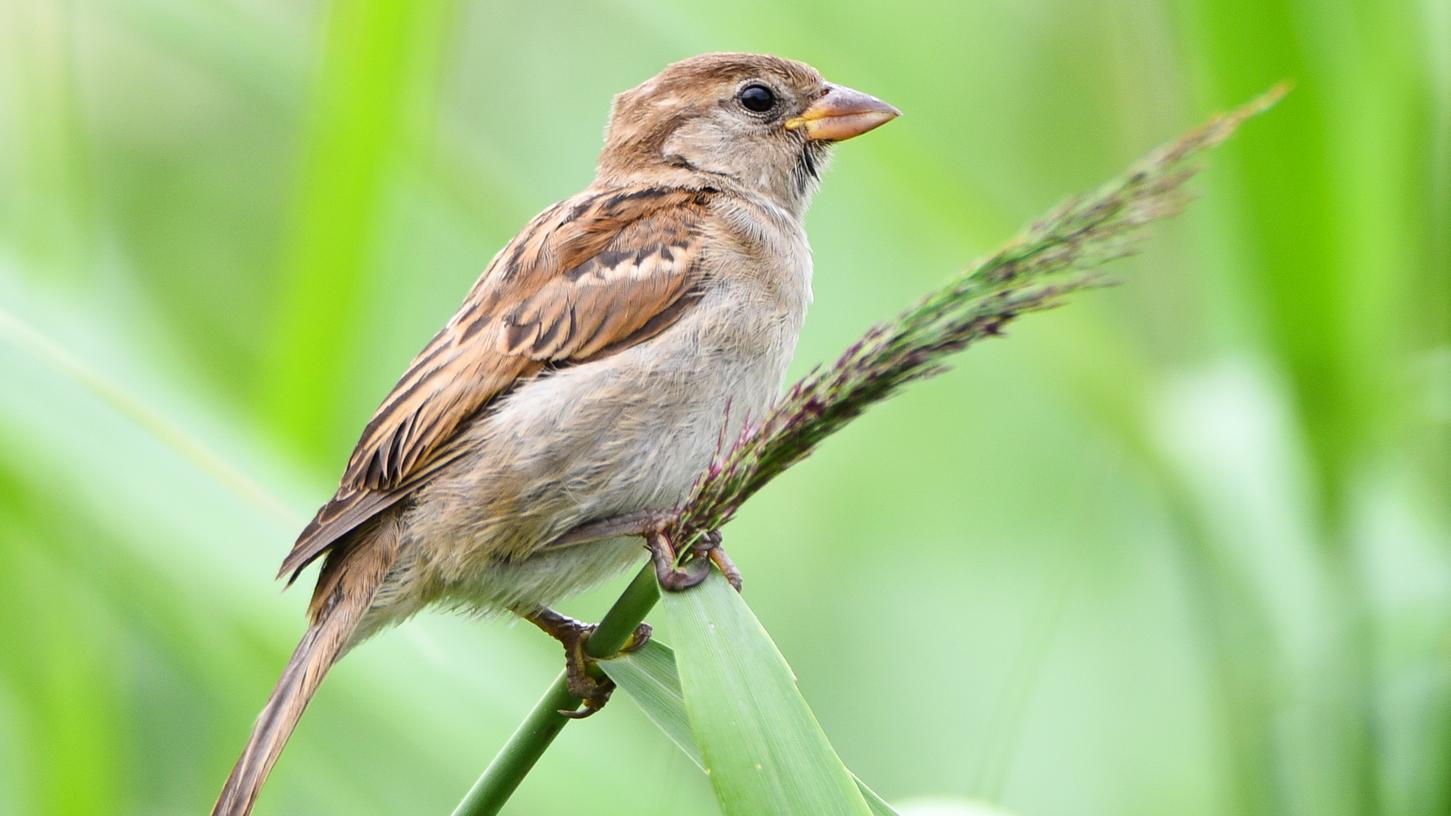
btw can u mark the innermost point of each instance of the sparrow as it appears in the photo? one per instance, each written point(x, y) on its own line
point(589, 375)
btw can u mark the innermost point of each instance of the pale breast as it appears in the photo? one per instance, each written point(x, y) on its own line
point(624, 433)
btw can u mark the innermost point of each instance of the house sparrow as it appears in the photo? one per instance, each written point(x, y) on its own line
point(588, 375)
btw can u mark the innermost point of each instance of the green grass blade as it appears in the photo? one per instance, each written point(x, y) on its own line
point(877, 804)
point(759, 742)
point(378, 58)
point(52, 355)
point(648, 675)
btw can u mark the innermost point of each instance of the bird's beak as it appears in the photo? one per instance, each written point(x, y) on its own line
point(841, 114)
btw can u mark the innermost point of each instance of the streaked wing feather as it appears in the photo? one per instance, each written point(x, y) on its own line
point(350, 508)
point(587, 277)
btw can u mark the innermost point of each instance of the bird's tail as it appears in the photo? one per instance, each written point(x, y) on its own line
point(345, 592)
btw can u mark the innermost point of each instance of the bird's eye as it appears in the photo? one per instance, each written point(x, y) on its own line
point(757, 98)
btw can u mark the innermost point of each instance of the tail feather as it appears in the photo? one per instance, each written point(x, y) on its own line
point(345, 591)
point(319, 649)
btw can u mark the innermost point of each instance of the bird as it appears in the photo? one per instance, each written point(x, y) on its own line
point(589, 375)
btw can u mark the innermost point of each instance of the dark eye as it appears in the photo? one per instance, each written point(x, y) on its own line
point(757, 98)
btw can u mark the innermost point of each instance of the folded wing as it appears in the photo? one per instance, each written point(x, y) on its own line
point(587, 277)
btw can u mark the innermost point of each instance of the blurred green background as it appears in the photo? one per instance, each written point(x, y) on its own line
point(1183, 547)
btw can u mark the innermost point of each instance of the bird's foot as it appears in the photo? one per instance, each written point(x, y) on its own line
point(583, 676)
point(717, 555)
point(707, 549)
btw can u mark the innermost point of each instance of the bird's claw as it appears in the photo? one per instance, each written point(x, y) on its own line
point(673, 578)
point(593, 692)
point(728, 567)
point(583, 678)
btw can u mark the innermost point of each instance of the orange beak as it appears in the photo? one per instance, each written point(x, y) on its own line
point(841, 114)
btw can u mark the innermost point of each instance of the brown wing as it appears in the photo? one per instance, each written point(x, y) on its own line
point(589, 276)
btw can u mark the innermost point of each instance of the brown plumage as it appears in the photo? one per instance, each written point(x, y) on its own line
point(344, 592)
point(595, 272)
point(587, 374)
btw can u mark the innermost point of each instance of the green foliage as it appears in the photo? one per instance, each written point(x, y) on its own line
point(1230, 478)
point(759, 742)
point(649, 677)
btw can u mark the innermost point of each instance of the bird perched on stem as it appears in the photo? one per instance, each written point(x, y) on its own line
point(586, 379)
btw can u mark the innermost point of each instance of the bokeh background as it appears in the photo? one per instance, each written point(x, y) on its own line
point(1181, 547)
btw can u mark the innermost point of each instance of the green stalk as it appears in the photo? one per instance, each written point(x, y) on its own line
point(498, 781)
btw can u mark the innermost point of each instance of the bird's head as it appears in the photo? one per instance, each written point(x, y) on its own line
point(754, 121)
